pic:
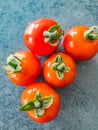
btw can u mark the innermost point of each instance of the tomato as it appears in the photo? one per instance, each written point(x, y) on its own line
point(40, 102)
point(59, 70)
point(81, 42)
point(22, 68)
point(43, 36)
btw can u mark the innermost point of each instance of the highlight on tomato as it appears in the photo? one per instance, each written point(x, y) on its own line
point(81, 42)
point(41, 102)
point(22, 68)
point(43, 36)
point(59, 70)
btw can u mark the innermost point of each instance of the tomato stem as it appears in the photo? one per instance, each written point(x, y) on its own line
point(60, 67)
point(53, 35)
point(13, 65)
point(91, 33)
point(38, 104)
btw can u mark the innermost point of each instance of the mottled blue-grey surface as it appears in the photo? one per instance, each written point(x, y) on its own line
point(79, 102)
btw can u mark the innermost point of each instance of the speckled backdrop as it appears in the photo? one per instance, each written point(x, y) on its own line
point(79, 102)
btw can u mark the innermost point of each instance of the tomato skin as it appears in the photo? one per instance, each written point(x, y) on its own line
point(50, 75)
point(77, 47)
point(34, 39)
point(30, 69)
point(51, 112)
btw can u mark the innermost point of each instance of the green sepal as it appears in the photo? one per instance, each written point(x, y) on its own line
point(12, 70)
point(54, 28)
point(39, 112)
point(91, 33)
point(67, 69)
point(13, 60)
point(38, 96)
point(53, 35)
point(55, 65)
point(13, 65)
point(28, 106)
point(60, 67)
point(47, 101)
point(38, 104)
point(60, 75)
point(59, 59)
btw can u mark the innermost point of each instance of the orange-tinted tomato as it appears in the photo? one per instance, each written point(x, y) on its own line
point(30, 69)
point(79, 47)
point(45, 113)
point(59, 70)
point(42, 36)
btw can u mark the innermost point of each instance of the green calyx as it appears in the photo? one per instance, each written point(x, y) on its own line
point(60, 67)
point(38, 104)
point(92, 33)
point(13, 65)
point(53, 35)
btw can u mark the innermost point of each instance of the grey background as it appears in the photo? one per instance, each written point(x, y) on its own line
point(79, 102)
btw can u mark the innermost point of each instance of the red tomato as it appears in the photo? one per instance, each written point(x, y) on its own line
point(81, 42)
point(59, 70)
point(23, 68)
point(41, 102)
point(43, 36)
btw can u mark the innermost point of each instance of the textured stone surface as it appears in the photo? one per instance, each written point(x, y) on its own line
point(79, 102)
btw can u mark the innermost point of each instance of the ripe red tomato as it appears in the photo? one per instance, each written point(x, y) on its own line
point(81, 42)
point(59, 70)
point(23, 68)
point(41, 102)
point(43, 36)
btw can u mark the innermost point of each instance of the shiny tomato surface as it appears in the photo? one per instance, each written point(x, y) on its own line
point(59, 73)
point(35, 40)
point(45, 91)
point(31, 68)
point(77, 46)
